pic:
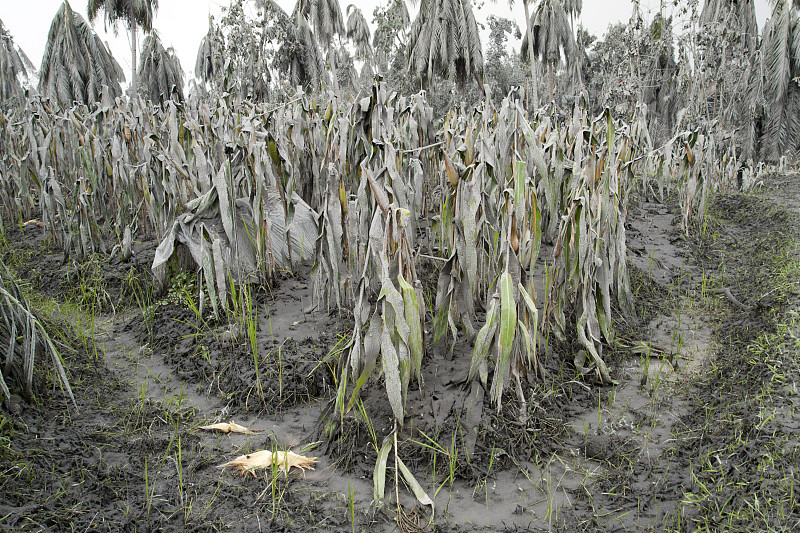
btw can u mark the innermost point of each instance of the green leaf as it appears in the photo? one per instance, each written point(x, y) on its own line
point(391, 371)
point(483, 344)
point(379, 477)
point(519, 192)
point(372, 346)
point(412, 316)
point(508, 314)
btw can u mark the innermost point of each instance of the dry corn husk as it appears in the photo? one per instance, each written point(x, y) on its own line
point(230, 427)
point(267, 459)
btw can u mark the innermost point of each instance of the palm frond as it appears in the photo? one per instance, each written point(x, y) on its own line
point(160, 70)
point(76, 64)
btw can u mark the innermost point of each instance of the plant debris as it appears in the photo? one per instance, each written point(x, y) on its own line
point(231, 427)
point(267, 459)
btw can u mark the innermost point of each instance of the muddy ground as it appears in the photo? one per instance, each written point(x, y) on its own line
point(701, 431)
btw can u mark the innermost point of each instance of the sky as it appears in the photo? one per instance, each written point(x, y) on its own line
point(183, 23)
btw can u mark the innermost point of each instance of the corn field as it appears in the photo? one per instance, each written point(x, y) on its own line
point(523, 216)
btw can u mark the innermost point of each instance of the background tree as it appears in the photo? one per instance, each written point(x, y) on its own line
point(301, 57)
point(504, 70)
point(14, 64)
point(135, 13)
point(209, 64)
point(660, 87)
point(359, 34)
point(239, 54)
point(325, 17)
point(552, 38)
point(445, 41)
point(727, 58)
point(160, 73)
point(389, 41)
point(781, 51)
point(531, 57)
point(76, 64)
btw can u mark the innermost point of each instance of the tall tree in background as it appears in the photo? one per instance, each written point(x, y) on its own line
point(389, 40)
point(531, 57)
point(325, 17)
point(660, 70)
point(728, 73)
point(781, 52)
point(300, 56)
point(135, 13)
point(359, 34)
point(14, 64)
point(160, 73)
point(209, 64)
point(445, 41)
point(573, 10)
point(76, 64)
point(552, 38)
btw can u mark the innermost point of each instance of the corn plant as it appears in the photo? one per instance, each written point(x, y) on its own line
point(590, 253)
point(25, 339)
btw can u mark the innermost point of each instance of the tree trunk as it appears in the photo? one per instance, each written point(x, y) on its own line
point(133, 57)
point(530, 54)
point(550, 80)
point(332, 61)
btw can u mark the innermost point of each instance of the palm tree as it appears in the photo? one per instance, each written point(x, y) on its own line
point(160, 70)
point(573, 10)
point(13, 64)
point(300, 56)
point(358, 33)
point(325, 17)
point(781, 52)
point(444, 40)
point(529, 37)
point(136, 13)
point(209, 64)
point(552, 37)
point(76, 64)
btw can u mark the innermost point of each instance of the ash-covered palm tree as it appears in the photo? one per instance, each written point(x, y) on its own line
point(300, 56)
point(552, 38)
point(160, 73)
point(210, 63)
point(325, 17)
point(76, 64)
point(14, 64)
point(135, 13)
point(529, 36)
point(781, 51)
point(444, 40)
point(573, 10)
point(358, 33)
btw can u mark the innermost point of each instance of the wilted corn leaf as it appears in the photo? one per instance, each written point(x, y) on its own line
point(372, 346)
point(230, 427)
point(416, 488)
point(483, 344)
point(505, 338)
point(412, 312)
point(267, 459)
point(379, 476)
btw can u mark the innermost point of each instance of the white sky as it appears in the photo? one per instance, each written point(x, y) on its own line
point(183, 23)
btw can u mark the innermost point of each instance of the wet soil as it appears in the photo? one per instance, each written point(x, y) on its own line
point(698, 425)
